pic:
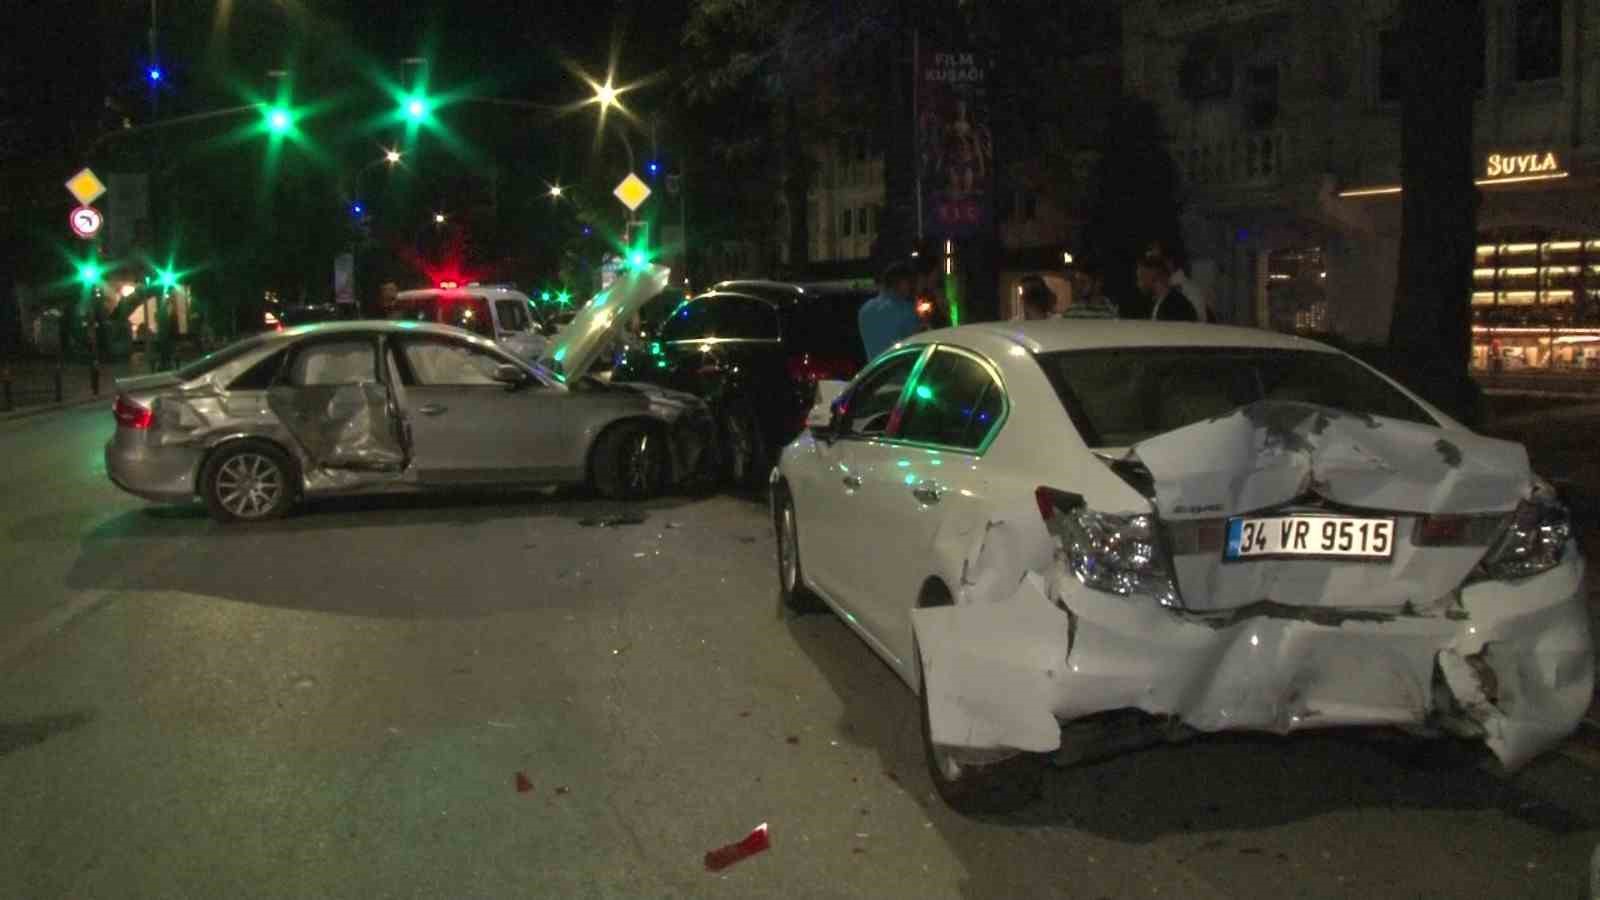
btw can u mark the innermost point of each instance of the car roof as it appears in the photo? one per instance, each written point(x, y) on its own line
point(374, 326)
point(782, 291)
point(1052, 335)
point(468, 290)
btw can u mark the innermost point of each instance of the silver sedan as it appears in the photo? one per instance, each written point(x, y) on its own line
point(363, 407)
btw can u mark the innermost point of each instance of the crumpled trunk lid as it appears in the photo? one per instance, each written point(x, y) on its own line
point(1279, 458)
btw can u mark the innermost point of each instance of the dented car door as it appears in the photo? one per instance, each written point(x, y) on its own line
point(332, 399)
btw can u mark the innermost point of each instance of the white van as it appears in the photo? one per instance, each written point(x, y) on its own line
point(501, 314)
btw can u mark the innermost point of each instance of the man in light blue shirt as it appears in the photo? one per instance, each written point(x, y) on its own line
point(892, 315)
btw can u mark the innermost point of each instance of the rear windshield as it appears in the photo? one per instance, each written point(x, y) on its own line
point(826, 325)
point(1120, 397)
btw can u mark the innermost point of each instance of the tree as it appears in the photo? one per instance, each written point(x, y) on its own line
point(1136, 195)
point(1430, 332)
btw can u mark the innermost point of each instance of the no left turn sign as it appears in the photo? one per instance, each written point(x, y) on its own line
point(86, 221)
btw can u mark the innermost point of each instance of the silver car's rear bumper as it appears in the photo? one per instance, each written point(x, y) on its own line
point(162, 474)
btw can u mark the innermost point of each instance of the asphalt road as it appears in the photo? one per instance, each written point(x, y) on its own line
point(337, 705)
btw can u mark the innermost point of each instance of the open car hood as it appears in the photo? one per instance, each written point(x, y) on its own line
point(579, 344)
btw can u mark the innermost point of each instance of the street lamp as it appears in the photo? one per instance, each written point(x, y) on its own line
point(605, 95)
point(438, 218)
point(555, 191)
point(391, 156)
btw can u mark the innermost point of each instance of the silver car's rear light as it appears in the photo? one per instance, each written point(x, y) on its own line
point(1117, 554)
point(132, 415)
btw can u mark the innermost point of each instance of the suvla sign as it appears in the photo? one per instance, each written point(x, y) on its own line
point(1513, 165)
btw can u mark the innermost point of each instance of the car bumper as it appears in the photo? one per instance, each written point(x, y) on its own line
point(162, 474)
point(1513, 665)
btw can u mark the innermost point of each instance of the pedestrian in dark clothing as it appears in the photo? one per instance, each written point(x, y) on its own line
point(1166, 301)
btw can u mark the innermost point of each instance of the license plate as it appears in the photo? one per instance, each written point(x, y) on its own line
point(1295, 537)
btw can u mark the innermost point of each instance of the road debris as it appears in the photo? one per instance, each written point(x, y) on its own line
point(522, 783)
point(754, 842)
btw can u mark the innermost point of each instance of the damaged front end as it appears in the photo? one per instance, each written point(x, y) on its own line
point(1473, 624)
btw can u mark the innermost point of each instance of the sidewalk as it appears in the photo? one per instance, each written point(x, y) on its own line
point(33, 384)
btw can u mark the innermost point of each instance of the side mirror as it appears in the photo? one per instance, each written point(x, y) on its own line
point(509, 375)
point(824, 408)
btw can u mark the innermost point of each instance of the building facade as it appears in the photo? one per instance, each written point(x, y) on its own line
point(1284, 117)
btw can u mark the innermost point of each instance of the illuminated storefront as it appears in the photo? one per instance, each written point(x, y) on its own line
point(1536, 301)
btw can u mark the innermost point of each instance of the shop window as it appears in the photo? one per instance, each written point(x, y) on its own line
point(1297, 298)
point(1538, 39)
point(845, 220)
point(861, 220)
point(1536, 301)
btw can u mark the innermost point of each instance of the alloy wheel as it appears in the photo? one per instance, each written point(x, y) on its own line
point(249, 485)
point(788, 549)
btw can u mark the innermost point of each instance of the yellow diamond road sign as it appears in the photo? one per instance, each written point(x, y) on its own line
point(86, 186)
point(632, 192)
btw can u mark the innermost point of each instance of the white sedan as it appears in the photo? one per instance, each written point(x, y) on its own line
point(1071, 538)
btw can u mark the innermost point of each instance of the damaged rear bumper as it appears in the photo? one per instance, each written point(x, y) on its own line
point(1512, 664)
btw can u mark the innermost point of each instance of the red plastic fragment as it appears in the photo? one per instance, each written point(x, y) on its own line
point(523, 784)
point(753, 843)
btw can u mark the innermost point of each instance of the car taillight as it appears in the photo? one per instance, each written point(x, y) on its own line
point(132, 415)
point(1117, 554)
point(806, 367)
point(1534, 540)
point(1448, 530)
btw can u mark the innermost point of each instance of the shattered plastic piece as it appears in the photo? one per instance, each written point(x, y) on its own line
point(640, 555)
point(563, 790)
point(612, 521)
point(792, 739)
point(753, 843)
point(522, 783)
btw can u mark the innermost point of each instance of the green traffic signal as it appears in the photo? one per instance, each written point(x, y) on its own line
point(89, 273)
point(278, 119)
point(415, 108)
point(166, 278)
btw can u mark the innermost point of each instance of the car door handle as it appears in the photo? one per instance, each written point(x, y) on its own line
point(852, 481)
point(432, 409)
point(927, 492)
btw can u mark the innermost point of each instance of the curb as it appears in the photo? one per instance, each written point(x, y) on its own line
point(42, 408)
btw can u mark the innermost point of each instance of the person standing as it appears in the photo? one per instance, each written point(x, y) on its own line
point(1089, 300)
point(1204, 303)
point(1165, 302)
point(892, 315)
point(1038, 301)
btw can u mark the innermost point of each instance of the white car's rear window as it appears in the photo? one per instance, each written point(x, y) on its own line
point(1119, 397)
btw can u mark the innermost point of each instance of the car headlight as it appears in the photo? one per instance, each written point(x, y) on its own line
point(1118, 554)
point(1534, 540)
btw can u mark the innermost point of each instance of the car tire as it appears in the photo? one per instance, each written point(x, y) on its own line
point(629, 462)
point(972, 788)
point(793, 595)
point(248, 481)
point(744, 448)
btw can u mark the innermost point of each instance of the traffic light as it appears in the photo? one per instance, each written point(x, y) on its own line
point(653, 167)
point(89, 273)
point(279, 119)
point(415, 108)
point(166, 279)
point(356, 209)
point(153, 74)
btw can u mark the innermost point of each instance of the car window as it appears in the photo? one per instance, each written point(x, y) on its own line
point(688, 322)
point(469, 313)
point(220, 357)
point(746, 318)
point(325, 363)
point(954, 403)
point(440, 362)
point(869, 407)
point(513, 314)
point(260, 376)
point(722, 316)
point(1117, 398)
point(415, 309)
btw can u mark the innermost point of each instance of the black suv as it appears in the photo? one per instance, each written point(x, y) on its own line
point(755, 351)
